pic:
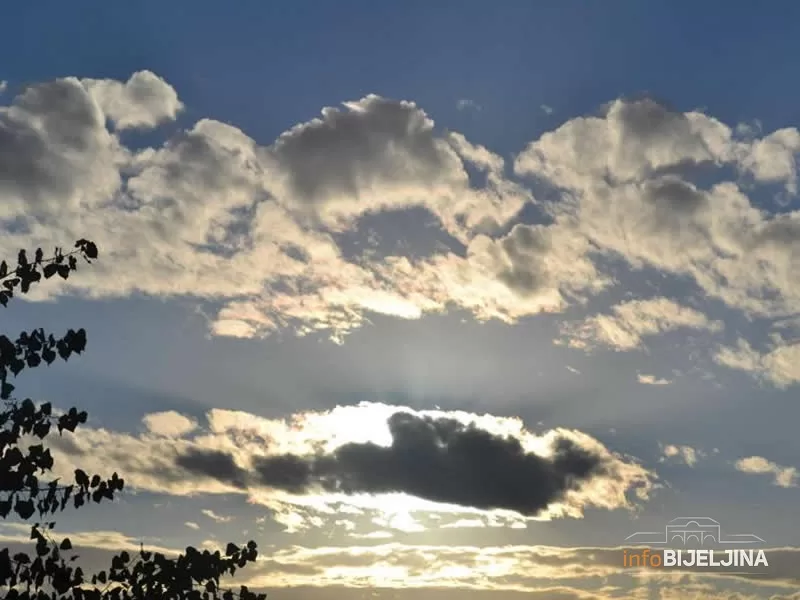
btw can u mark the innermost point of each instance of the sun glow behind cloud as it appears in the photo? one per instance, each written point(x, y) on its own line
point(368, 423)
point(312, 467)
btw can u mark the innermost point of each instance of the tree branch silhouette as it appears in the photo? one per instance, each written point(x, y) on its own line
point(52, 572)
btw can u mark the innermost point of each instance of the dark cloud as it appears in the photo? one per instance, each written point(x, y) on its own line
point(646, 119)
point(677, 205)
point(782, 231)
point(524, 247)
point(44, 138)
point(441, 460)
point(374, 140)
point(196, 156)
point(287, 472)
point(675, 194)
point(214, 464)
point(654, 139)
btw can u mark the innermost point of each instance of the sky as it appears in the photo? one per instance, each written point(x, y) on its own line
point(426, 298)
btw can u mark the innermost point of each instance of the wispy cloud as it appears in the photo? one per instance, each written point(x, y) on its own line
point(215, 517)
point(630, 322)
point(778, 365)
point(467, 104)
point(687, 454)
point(546, 572)
point(652, 380)
point(785, 477)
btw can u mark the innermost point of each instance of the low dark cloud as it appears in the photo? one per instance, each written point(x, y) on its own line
point(288, 472)
point(213, 464)
point(441, 460)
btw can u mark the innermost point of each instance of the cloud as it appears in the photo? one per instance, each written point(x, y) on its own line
point(255, 230)
point(519, 568)
point(112, 541)
point(168, 423)
point(548, 110)
point(395, 462)
point(533, 269)
point(651, 380)
point(215, 517)
point(443, 461)
point(478, 156)
point(59, 159)
point(377, 154)
point(784, 476)
point(142, 102)
point(625, 182)
point(778, 365)
point(467, 104)
point(546, 572)
point(772, 159)
point(630, 322)
point(211, 214)
point(687, 454)
point(465, 523)
point(373, 535)
point(192, 525)
point(633, 139)
point(523, 568)
point(212, 464)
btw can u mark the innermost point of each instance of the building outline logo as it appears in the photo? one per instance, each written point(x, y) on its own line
point(685, 530)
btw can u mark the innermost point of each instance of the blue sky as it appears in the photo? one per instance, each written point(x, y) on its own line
point(571, 55)
point(569, 220)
